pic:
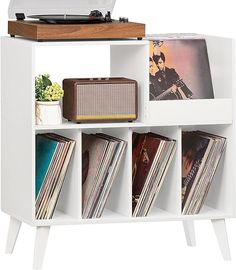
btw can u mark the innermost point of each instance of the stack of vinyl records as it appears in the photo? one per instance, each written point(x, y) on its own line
point(201, 153)
point(152, 155)
point(53, 154)
point(102, 155)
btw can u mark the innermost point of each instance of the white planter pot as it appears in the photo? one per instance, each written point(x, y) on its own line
point(48, 113)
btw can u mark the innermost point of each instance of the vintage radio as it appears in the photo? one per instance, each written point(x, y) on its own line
point(100, 100)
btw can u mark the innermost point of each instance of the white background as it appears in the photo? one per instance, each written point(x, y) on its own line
point(135, 246)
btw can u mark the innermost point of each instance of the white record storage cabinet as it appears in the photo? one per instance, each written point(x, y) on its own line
point(22, 60)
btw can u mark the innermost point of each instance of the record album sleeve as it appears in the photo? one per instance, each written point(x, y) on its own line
point(179, 69)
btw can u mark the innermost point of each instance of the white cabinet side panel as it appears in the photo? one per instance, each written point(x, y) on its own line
point(221, 58)
point(17, 129)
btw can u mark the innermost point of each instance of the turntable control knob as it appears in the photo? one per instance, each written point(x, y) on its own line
point(123, 19)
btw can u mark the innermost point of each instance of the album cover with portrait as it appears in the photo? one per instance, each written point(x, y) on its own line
point(179, 69)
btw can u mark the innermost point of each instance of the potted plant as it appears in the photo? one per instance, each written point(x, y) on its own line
point(47, 95)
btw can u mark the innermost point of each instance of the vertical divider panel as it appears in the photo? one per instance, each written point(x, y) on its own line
point(70, 200)
point(120, 198)
point(179, 169)
point(132, 61)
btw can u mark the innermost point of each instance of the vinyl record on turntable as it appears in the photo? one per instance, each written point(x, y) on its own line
point(48, 7)
point(95, 16)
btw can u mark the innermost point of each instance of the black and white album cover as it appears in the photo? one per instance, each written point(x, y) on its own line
point(179, 69)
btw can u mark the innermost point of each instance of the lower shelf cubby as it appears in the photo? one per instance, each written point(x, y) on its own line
point(68, 207)
point(118, 204)
point(168, 200)
point(216, 203)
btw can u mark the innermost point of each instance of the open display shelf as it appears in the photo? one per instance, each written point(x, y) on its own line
point(22, 60)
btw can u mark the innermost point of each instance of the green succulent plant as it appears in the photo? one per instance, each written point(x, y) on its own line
point(45, 90)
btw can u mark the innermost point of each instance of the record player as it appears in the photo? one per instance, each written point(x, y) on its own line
point(45, 20)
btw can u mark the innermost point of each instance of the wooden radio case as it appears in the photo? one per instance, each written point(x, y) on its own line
point(100, 100)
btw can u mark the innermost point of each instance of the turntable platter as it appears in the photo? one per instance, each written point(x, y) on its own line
point(94, 17)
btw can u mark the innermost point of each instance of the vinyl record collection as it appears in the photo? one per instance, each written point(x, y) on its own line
point(152, 155)
point(201, 153)
point(53, 154)
point(101, 159)
point(102, 155)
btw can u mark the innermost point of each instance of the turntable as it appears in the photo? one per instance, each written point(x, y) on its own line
point(47, 20)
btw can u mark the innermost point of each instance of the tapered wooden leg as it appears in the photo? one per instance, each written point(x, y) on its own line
point(41, 240)
point(222, 238)
point(13, 232)
point(189, 232)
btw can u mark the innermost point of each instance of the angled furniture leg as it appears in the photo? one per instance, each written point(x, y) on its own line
point(222, 238)
point(189, 232)
point(13, 232)
point(41, 240)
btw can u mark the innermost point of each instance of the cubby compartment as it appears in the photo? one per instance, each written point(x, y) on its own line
point(132, 61)
point(203, 111)
point(168, 202)
point(98, 59)
point(68, 208)
point(119, 202)
point(217, 203)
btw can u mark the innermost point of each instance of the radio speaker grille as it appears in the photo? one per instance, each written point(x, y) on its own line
point(106, 100)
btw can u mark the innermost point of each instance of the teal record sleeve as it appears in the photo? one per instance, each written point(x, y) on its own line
point(45, 149)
